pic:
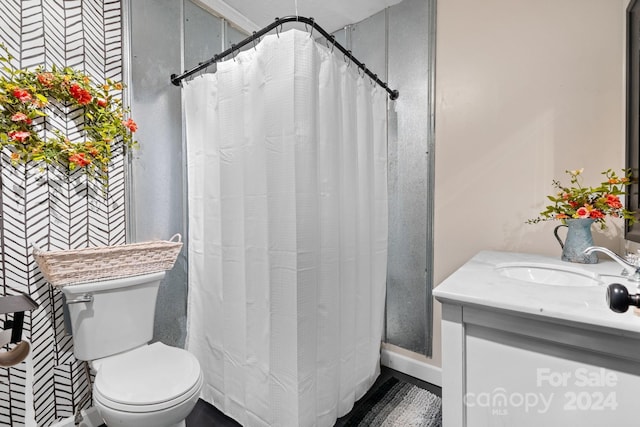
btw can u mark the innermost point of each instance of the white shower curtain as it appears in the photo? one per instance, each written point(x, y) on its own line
point(287, 185)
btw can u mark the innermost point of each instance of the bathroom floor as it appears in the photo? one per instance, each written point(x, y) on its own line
point(205, 415)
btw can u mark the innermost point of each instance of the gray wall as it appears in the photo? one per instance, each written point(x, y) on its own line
point(411, 182)
point(157, 177)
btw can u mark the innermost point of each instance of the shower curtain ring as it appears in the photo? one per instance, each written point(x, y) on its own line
point(333, 42)
point(348, 56)
point(203, 70)
point(373, 79)
point(233, 52)
point(253, 40)
point(312, 27)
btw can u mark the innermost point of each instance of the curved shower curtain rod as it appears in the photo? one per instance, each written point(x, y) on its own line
point(176, 79)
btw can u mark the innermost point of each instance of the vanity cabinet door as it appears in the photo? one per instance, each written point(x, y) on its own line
point(519, 380)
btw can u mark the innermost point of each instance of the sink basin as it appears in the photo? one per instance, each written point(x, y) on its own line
point(549, 274)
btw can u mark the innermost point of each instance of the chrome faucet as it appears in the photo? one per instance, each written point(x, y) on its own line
point(632, 270)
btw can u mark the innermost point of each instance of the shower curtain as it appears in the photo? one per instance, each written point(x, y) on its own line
point(286, 149)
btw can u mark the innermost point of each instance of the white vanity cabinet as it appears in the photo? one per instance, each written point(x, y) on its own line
point(519, 354)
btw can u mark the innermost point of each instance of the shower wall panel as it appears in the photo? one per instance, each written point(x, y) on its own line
point(203, 35)
point(394, 44)
point(409, 280)
point(368, 41)
point(157, 176)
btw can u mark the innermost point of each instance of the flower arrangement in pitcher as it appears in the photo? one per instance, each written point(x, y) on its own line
point(578, 201)
point(29, 101)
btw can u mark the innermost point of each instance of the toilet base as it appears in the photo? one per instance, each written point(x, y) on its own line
point(165, 418)
point(154, 421)
point(180, 424)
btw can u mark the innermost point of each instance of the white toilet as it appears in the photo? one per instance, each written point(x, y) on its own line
point(136, 383)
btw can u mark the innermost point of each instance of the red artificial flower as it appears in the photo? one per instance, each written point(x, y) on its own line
point(596, 214)
point(22, 95)
point(21, 117)
point(101, 102)
point(131, 125)
point(79, 159)
point(46, 79)
point(613, 201)
point(582, 212)
point(19, 135)
point(79, 94)
point(92, 149)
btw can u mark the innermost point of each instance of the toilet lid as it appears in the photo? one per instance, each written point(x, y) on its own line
point(147, 375)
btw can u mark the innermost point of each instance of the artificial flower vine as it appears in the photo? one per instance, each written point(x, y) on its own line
point(28, 102)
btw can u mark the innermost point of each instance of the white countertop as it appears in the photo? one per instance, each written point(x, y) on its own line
point(478, 283)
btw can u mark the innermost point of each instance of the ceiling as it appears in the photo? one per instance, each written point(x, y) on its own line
point(252, 15)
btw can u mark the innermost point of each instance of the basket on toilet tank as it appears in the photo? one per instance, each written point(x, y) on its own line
point(66, 267)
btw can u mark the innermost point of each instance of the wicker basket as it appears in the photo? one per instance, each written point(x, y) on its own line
point(74, 266)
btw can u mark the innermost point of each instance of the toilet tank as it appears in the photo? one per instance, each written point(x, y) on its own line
point(119, 316)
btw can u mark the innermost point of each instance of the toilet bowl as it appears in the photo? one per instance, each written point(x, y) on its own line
point(137, 384)
point(150, 386)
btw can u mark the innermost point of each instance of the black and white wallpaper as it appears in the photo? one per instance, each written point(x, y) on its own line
point(47, 207)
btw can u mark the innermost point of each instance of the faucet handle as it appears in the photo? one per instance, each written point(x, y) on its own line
point(619, 299)
point(633, 258)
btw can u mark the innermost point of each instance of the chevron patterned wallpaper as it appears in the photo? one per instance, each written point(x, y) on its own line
point(51, 209)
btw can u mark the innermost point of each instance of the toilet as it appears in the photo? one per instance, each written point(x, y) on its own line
point(136, 383)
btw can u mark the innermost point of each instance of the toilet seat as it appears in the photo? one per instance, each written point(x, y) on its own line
point(147, 379)
point(102, 401)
